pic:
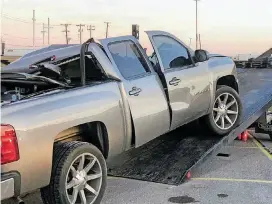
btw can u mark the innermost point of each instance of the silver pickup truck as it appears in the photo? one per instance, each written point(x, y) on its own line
point(65, 111)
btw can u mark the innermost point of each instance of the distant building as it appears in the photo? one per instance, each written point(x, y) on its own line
point(9, 55)
point(17, 52)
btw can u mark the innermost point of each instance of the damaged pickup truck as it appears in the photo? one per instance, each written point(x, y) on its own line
point(66, 111)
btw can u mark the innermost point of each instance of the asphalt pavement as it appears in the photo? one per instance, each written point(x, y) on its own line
point(242, 175)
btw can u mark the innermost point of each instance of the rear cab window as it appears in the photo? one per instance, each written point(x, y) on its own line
point(71, 70)
point(128, 59)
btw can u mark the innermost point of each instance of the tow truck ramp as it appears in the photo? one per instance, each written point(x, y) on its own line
point(168, 158)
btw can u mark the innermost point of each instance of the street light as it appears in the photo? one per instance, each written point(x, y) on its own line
point(196, 24)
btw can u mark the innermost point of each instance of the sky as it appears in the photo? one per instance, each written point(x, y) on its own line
point(229, 27)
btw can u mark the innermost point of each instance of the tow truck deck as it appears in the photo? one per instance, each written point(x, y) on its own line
point(168, 158)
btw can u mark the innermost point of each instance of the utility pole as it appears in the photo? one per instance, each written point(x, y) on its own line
point(33, 19)
point(199, 41)
point(196, 24)
point(48, 31)
point(90, 28)
point(190, 42)
point(43, 32)
point(80, 31)
point(3, 47)
point(107, 29)
point(66, 32)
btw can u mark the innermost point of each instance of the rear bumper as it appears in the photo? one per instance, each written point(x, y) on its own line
point(10, 185)
point(7, 188)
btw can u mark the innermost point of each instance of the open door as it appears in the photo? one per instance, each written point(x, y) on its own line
point(187, 82)
point(142, 87)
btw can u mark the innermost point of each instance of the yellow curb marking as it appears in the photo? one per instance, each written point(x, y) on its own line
point(233, 180)
point(239, 147)
point(263, 150)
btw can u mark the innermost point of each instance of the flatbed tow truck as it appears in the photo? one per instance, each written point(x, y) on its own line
point(171, 158)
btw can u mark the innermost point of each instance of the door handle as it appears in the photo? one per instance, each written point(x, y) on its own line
point(175, 81)
point(135, 91)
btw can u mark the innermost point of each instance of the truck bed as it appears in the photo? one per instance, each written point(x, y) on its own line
point(169, 157)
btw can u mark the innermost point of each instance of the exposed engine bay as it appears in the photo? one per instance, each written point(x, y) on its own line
point(48, 75)
point(18, 86)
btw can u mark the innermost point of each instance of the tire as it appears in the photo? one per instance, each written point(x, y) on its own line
point(211, 117)
point(70, 154)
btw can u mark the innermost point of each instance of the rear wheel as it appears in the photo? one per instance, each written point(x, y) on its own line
point(78, 175)
point(226, 113)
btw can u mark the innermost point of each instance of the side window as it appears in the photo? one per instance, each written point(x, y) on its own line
point(172, 53)
point(128, 59)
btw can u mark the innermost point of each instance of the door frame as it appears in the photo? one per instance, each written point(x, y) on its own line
point(151, 34)
point(107, 41)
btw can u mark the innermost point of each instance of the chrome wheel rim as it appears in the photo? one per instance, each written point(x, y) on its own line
point(225, 111)
point(84, 179)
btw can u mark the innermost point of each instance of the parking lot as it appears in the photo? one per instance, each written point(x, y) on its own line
point(136, 102)
point(242, 175)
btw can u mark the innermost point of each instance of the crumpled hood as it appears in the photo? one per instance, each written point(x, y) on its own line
point(22, 64)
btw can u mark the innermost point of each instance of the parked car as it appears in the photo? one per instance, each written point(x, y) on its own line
point(67, 110)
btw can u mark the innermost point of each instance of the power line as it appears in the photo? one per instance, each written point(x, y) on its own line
point(23, 20)
point(14, 19)
point(66, 31)
point(80, 31)
point(90, 28)
point(27, 38)
point(107, 28)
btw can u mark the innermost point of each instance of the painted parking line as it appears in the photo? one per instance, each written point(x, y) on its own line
point(260, 147)
point(266, 80)
point(233, 180)
point(239, 147)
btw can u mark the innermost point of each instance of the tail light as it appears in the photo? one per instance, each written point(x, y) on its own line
point(9, 145)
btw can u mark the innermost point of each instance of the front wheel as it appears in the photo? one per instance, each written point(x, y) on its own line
point(226, 112)
point(78, 175)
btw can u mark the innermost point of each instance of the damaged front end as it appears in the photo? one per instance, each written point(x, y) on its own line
point(18, 86)
point(43, 76)
point(58, 69)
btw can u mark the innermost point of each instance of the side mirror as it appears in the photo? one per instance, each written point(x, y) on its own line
point(201, 55)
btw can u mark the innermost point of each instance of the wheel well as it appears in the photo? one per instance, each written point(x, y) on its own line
point(93, 132)
point(228, 80)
